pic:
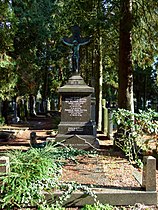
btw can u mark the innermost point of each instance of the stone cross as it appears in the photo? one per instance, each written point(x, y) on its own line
point(75, 41)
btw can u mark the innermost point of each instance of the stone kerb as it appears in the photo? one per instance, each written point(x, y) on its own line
point(122, 196)
point(111, 196)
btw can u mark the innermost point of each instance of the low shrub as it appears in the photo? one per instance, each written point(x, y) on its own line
point(131, 130)
point(34, 172)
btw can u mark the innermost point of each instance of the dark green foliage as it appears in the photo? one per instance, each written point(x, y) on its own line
point(7, 32)
point(29, 174)
point(34, 60)
point(34, 172)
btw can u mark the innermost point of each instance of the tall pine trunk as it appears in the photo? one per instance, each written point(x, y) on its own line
point(5, 109)
point(100, 88)
point(98, 83)
point(99, 72)
point(125, 93)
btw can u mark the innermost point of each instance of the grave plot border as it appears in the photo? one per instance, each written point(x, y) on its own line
point(122, 197)
point(147, 195)
point(110, 196)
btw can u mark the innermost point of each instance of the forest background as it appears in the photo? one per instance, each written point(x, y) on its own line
point(120, 62)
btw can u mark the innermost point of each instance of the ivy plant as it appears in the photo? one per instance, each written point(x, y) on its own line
point(132, 127)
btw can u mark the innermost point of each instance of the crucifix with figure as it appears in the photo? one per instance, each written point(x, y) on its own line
point(75, 41)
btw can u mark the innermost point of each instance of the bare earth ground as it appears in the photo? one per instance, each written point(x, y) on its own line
point(108, 169)
point(101, 171)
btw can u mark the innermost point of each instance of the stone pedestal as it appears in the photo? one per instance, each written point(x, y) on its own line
point(77, 127)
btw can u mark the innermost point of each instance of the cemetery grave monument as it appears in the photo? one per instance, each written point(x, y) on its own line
point(77, 126)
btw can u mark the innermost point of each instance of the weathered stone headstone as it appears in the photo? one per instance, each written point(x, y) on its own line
point(105, 117)
point(110, 124)
point(4, 165)
point(76, 127)
point(149, 173)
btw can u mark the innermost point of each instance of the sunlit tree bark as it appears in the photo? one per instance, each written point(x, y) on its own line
point(125, 93)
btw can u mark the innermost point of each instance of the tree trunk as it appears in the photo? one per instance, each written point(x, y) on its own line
point(100, 88)
point(125, 93)
point(5, 107)
point(45, 91)
point(96, 81)
point(99, 73)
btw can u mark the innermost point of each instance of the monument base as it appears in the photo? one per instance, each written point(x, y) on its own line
point(79, 128)
point(84, 142)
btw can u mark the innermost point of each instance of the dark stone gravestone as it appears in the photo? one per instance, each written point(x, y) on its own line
point(76, 127)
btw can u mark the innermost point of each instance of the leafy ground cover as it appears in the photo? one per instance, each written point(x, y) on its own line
point(66, 169)
point(102, 169)
point(34, 172)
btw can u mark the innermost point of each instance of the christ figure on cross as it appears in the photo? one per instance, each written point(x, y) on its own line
point(75, 42)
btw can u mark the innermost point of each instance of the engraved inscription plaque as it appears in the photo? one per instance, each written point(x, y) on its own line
point(75, 129)
point(76, 108)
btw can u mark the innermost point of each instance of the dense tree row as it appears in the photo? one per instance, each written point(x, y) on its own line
point(34, 60)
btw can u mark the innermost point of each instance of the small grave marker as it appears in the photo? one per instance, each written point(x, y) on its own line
point(149, 173)
point(4, 165)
